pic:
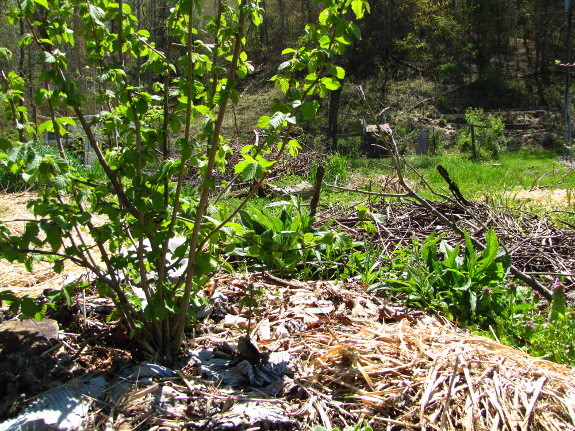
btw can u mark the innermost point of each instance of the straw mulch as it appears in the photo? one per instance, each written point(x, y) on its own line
point(429, 375)
point(13, 275)
point(358, 357)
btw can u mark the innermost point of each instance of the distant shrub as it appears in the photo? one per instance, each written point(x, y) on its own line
point(550, 142)
point(483, 135)
point(513, 144)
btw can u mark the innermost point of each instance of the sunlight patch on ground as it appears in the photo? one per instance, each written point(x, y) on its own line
point(551, 198)
point(13, 275)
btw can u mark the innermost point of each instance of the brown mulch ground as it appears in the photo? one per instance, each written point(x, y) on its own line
point(353, 356)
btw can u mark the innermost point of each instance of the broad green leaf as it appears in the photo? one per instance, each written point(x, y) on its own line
point(558, 303)
point(281, 118)
point(256, 18)
point(30, 308)
point(202, 109)
point(263, 122)
point(490, 252)
point(323, 16)
point(330, 83)
point(7, 295)
point(97, 14)
point(46, 126)
point(43, 3)
point(293, 147)
point(359, 7)
point(309, 110)
point(5, 53)
point(469, 249)
point(247, 169)
point(264, 162)
point(66, 121)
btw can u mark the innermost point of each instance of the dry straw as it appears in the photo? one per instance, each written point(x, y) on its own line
point(429, 375)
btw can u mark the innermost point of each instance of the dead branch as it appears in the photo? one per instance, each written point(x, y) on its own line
point(368, 193)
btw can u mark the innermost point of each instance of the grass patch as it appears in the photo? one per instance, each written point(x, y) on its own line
point(513, 171)
point(481, 181)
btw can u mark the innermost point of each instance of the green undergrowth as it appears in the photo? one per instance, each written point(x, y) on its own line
point(473, 289)
point(470, 287)
point(279, 237)
point(14, 182)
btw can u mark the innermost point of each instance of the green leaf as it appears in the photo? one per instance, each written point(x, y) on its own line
point(204, 264)
point(7, 295)
point(43, 3)
point(256, 18)
point(330, 83)
point(202, 109)
point(53, 235)
point(58, 266)
point(359, 7)
point(323, 16)
point(97, 14)
point(66, 121)
point(5, 145)
point(469, 249)
point(30, 308)
point(293, 147)
point(264, 122)
point(280, 118)
point(558, 303)
point(490, 252)
point(247, 169)
point(309, 110)
point(264, 163)
point(46, 126)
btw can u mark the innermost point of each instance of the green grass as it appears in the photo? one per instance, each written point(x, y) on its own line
point(495, 182)
point(480, 181)
point(513, 171)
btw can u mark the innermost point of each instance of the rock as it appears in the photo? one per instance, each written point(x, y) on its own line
point(304, 189)
point(27, 337)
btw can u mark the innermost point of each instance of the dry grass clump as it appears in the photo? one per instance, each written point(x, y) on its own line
point(548, 198)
